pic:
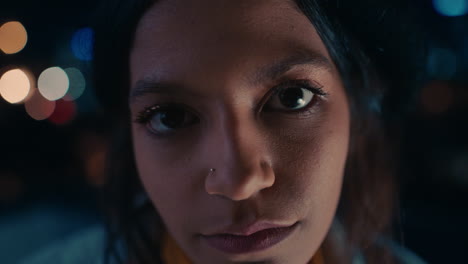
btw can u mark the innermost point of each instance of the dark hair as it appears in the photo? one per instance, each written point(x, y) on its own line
point(377, 53)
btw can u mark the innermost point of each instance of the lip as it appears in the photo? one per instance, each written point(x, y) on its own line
point(256, 237)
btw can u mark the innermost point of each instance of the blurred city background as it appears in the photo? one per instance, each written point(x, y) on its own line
point(53, 138)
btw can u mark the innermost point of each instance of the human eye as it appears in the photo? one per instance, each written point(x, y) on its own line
point(163, 120)
point(294, 96)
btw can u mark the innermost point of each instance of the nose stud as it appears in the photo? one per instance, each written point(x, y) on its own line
point(208, 189)
point(212, 170)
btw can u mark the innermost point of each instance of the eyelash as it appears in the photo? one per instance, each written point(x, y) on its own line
point(145, 115)
point(313, 87)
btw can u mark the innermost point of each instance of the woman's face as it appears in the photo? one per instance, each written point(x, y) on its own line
point(248, 88)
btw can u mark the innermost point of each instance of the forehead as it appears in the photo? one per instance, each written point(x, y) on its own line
point(177, 34)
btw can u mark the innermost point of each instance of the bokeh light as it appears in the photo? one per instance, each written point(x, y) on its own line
point(437, 97)
point(65, 111)
point(82, 44)
point(77, 83)
point(53, 83)
point(13, 37)
point(11, 187)
point(15, 86)
point(38, 107)
point(93, 149)
point(442, 64)
point(95, 168)
point(459, 168)
point(451, 7)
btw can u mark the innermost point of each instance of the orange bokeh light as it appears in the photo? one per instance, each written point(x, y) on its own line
point(13, 37)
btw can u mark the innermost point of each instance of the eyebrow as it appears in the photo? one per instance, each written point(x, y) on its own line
point(270, 72)
point(149, 86)
point(299, 57)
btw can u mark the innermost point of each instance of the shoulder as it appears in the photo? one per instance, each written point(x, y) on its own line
point(84, 246)
point(401, 254)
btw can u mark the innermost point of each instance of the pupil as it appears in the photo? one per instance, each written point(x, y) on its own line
point(172, 118)
point(292, 97)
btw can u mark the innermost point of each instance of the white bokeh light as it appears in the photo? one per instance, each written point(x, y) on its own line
point(15, 86)
point(53, 83)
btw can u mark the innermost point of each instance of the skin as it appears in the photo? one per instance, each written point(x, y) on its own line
point(278, 165)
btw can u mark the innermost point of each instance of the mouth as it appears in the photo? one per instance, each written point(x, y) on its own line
point(253, 238)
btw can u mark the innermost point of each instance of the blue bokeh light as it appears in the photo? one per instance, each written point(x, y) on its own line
point(442, 64)
point(451, 8)
point(82, 44)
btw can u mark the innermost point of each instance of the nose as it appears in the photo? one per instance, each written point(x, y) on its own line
point(244, 169)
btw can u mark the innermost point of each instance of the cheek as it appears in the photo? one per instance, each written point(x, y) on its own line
point(313, 167)
point(161, 171)
point(312, 160)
